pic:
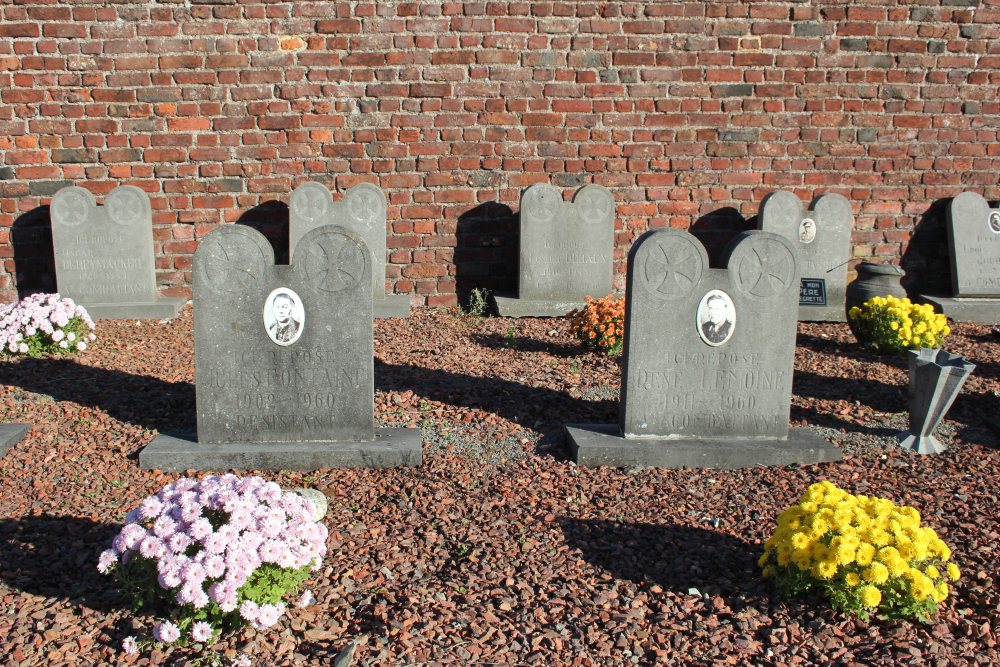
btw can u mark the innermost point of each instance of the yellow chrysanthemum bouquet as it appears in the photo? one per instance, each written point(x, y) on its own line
point(600, 325)
point(867, 555)
point(894, 324)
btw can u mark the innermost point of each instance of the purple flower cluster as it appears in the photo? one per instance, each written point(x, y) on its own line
point(208, 537)
point(44, 319)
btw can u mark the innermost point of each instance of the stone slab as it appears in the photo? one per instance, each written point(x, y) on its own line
point(822, 236)
point(393, 305)
point(509, 306)
point(603, 445)
point(974, 240)
point(104, 254)
point(161, 308)
point(709, 351)
point(391, 447)
point(283, 353)
point(980, 311)
point(11, 434)
point(822, 313)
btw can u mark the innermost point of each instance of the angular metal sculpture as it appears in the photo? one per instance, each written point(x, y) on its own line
point(936, 377)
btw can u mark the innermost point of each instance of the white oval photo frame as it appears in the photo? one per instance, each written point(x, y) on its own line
point(294, 314)
point(993, 221)
point(807, 231)
point(716, 318)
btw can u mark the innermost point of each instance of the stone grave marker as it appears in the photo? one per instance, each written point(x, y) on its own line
point(362, 211)
point(104, 254)
point(565, 251)
point(11, 434)
point(822, 236)
point(284, 361)
point(974, 244)
point(707, 368)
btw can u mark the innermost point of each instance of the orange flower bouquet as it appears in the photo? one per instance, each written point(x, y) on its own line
point(600, 325)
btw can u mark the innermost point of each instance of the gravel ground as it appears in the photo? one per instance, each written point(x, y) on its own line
point(499, 550)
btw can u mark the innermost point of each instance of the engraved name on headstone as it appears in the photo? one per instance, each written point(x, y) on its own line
point(283, 353)
point(566, 250)
point(974, 237)
point(104, 254)
point(363, 211)
point(822, 237)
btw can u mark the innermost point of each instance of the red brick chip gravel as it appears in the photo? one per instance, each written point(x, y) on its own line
point(499, 550)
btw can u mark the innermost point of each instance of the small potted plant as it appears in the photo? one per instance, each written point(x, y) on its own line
point(600, 324)
point(44, 324)
point(893, 324)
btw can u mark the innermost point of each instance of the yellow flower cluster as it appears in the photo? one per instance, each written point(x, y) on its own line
point(897, 324)
point(601, 323)
point(860, 550)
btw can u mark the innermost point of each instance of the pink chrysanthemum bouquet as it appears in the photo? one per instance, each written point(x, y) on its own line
point(221, 553)
point(44, 324)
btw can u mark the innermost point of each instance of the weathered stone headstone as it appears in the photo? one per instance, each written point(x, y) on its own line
point(974, 242)
point(565, 251)
point(11, 434)
point(362, 211)
point(707, 372)
point(104, 254)
point(822, 236)
point(284, 362)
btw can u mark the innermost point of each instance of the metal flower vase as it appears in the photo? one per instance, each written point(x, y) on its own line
point(936, 377)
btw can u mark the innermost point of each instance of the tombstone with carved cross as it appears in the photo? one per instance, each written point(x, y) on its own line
point(284, 369)
point(707, 371)
point(822, 237)
point(104, 254)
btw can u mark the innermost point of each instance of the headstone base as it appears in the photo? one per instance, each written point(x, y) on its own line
point(161, 308)
point(507, 306)
point(822, 314)
point(393, 305)
point(603, 445)
point(11, 434)
point(391, 447)
point(965, 309)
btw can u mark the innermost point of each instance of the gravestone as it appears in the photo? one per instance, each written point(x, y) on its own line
point(284, 361)
point(565, 251)
point(11, 434)
point(822, 236)
point(362, 211)
point(974, 244)
point(104, 254)
point(707, 367)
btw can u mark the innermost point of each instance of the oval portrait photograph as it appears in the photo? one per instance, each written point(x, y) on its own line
point(716, 317)
point(284, 316)
point(994, 221)
point(807, 230)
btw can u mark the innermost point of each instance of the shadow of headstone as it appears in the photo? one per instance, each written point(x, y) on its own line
point(716, 229)
point(34, 260)
point(270, 218)
point(927, 258)
point(486, 250)
point(56, 557)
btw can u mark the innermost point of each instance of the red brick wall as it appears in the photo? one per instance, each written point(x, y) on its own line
point(689, 111)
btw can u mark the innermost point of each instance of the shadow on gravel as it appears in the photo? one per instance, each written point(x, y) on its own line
point(524, 344)
point(520, 403)
point(56, 557)
point(146, 401)
point(677, 558)
point(875, 394)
